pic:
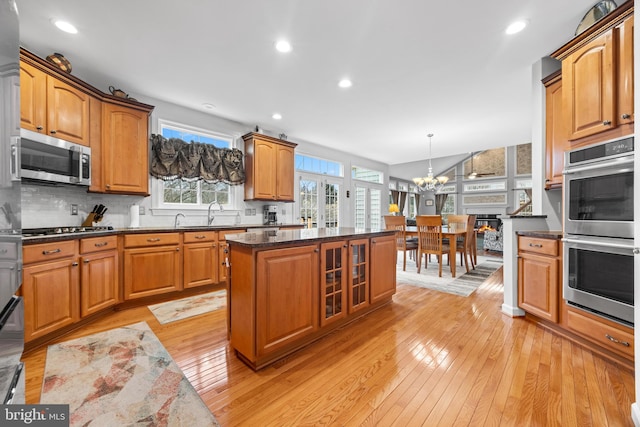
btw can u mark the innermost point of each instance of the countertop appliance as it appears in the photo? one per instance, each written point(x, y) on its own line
point(45, 158)
point(598, 249)
point(11, 306)
point(270, 214)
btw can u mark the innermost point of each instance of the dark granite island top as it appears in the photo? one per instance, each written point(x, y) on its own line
point(273, 238)
point(288, 288)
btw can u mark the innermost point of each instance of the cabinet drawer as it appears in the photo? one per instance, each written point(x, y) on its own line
point(96, 244)
point(538, 245)
point(49, 251)
point(9, 250)
point(608, 336)
point(222, 235)
point(151, 239)
point(200, 236)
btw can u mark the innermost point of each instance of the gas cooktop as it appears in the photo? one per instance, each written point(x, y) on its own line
point(52, 231)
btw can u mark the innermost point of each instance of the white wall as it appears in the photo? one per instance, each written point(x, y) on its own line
point(50, 206)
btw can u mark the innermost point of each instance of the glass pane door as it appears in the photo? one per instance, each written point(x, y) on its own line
point(368, 207)
point(319, 202)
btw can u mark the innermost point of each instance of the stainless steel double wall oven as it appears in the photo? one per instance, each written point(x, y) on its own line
point(598, 227)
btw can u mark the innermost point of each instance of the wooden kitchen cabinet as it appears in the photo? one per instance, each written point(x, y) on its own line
point(358, 278)
point(152, 264)
point(50, 287)
point(200, 258)
point(125, 148)
point(223, 254)
point(52, 106)
point(287, 309)
point(597, 79)
point(269, 167)
point(99, 282)
point(383, 276)
point(557, 141)
point(539, 276)
point(333, 281)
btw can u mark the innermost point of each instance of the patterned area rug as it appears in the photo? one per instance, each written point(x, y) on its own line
point(464, 284)
point(121, 377)
point(188, 307)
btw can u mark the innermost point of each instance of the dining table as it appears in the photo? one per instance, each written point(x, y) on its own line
point(448, 232)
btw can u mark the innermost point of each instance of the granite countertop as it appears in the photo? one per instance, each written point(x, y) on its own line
point(258, 239)
point(521, 216)
point(543, 234)
point(141, 230)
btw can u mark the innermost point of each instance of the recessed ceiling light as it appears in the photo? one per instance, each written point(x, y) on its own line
point(276, 116)
point(65, 26)
point(283, 46)
point(345, 83)
point(516, 27)
point(208, 106)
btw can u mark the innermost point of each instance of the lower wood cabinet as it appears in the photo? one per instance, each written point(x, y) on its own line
point(50, 288)
point(287, 289)
point(200, 258)
point(333, 281)
point(152, 264)
point(383, 275)
point(358, 282)
point(99, 284)
point(539, 280)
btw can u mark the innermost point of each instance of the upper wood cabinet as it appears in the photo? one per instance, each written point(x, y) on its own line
point(52, 106)
point(125, 149)
point(269, 165)
point(597, 79)
point(556, 132)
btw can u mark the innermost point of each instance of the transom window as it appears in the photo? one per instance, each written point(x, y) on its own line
point(319, 166)
point(368, 175)
point(184, 193)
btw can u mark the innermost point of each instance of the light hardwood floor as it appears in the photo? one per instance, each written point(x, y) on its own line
point(427, 359)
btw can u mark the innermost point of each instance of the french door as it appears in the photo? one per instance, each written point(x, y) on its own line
point(368, 206)
point(319, 205)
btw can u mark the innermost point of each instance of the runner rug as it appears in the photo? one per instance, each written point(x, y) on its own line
point(188, 307)
point(121, 377)
point(464, 284)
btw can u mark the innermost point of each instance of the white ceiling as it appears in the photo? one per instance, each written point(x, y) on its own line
point(418, 66)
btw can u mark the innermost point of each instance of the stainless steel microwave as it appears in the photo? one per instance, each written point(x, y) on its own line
point(45, 158)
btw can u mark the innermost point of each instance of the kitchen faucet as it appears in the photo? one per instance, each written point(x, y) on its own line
point(210, 216)
point(175, 222)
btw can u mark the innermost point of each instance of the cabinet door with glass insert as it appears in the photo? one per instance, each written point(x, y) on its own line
point(333, 267)
point(358, 274)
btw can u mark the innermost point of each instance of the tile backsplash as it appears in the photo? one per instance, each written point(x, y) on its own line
point(50, 206)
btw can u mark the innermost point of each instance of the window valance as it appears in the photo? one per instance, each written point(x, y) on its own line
point(174, 158)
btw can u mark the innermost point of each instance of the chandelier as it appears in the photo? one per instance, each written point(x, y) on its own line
point(430, 182)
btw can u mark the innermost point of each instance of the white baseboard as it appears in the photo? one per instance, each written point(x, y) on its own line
point(512, 311)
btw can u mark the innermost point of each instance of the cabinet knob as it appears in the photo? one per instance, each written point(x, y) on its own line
point(177, 249)
point(86, 261)
point(607, 123)
point(53, 132)
point(75, 264)
point(626, 116)
point(39, 127)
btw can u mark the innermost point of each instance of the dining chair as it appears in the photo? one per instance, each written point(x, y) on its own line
point(466, 246)
point(398, 223)
point(459, 221)
point(430, 239)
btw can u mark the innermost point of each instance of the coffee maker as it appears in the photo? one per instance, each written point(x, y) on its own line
point(270, 214)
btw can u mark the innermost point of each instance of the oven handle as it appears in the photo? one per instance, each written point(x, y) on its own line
point(596, 243)
point(617, 162)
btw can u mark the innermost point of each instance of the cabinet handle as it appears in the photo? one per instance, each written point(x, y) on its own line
point(199, 237)
point(53, 251)
point(39, 127)
point(99, 245)
point(617, 341)
point(75, 264)
point(626, 116)
point(157, 239)
point(535, 245)
point(607, 123)
point(53, 132)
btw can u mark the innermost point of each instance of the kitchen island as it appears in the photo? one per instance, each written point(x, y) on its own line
point(289, 288)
